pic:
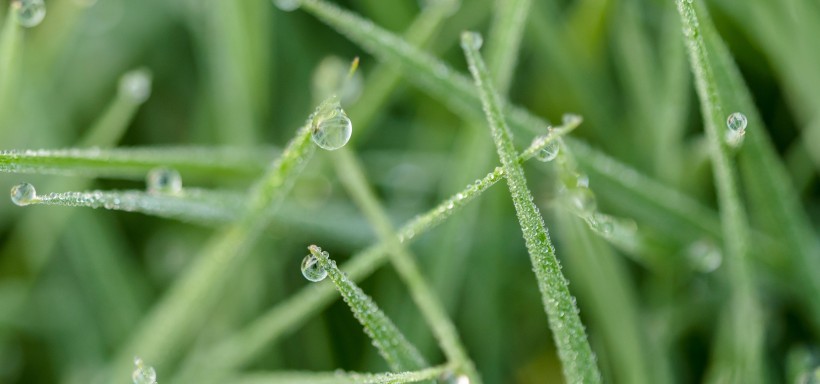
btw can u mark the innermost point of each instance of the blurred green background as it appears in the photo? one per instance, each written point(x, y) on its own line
point(243, 74)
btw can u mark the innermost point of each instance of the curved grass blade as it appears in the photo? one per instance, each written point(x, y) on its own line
point(399, 353)
point(570, 337)
point(135, 162)
point(743, 361)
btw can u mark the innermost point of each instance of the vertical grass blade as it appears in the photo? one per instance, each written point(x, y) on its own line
point(399, 353)
point(743, 361)
point(570, 336)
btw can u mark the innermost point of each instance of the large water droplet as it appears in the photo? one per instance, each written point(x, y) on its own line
point(164, 180)
point(549, 152)
point(331, 126)
point(288, 5)
point(135, 85)
point(23, 194)
point(472, 39)
point(311, 269)
point(30, 13)
point(143, 374)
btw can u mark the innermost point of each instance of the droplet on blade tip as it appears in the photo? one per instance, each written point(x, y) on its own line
point(135, 85)
point(143, 374)
point(30, 13)
point(311, 269)
point(331, 126)
point(164, 180)
point(23, 194)
point(472, 39)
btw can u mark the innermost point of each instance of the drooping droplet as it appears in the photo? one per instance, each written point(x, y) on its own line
point(143, 374)
point(571, 119)
point(549, 152)
point(472, 39)
point(30, 13)
point(331, 126)
point(164, 180)
point(135, 85)
point(23, 194)
point(704, 256)
point(736, 122)
point(288, 5)
point(311, 269)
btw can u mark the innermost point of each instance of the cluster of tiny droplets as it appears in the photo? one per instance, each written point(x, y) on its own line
point(311, 269)
point(23, 194)
point(143, 374)
point(164, 180)
point(30, 13)
point(330, 127)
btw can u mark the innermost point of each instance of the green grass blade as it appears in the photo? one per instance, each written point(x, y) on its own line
point(172, 322)
point(744, 361)
point(399, 353)
point(238, 349)
point(352, 176)
point(135, 162)
point(340, 377)
point(134, 89)
point(570, 337)
point(776, 203)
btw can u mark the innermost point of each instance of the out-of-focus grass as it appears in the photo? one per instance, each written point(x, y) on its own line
point(76, 284)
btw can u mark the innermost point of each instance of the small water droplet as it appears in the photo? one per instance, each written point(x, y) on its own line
point(143, 374)
point(135, 85)
point(600, 223)
point(287, 5)
point(549, 152)
point(23, 194)
point(472, 39)
point(736, 122)
point(705, 256)
point(164, 180)
point(331, 126)
point(571, 119)
point(311, 269)
point(582, 201)
point(30, 13)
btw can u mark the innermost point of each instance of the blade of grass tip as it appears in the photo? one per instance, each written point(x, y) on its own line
point(173, 321)
point(340, 377)
point(612, 303)
point(134, 163)
point(570, 336)
point(399, 353)
point(743, 362)
point(766, 178)
point(240, 348)
point(134, 90)
point(352, 176)
point(384, 79)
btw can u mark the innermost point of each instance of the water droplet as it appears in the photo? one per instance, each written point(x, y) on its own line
point(549, 152)
point(143, 374)
point(164, 180)
point(30, 13)
point(135, 85)
point(451, 378)
point(571, 119)
point(472, 39)
point(311, 269)
point(736, 122)
point(331, 126)
point(288, 5)
point(582, 201)
point(23, 194)
point(602, 224)
point(704, 255)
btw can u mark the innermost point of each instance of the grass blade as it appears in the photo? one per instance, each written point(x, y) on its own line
point(570, 337)
point(340, 377)
point(744, 360)
point(399, 353)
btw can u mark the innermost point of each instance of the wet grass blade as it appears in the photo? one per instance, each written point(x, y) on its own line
point(570, 336)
